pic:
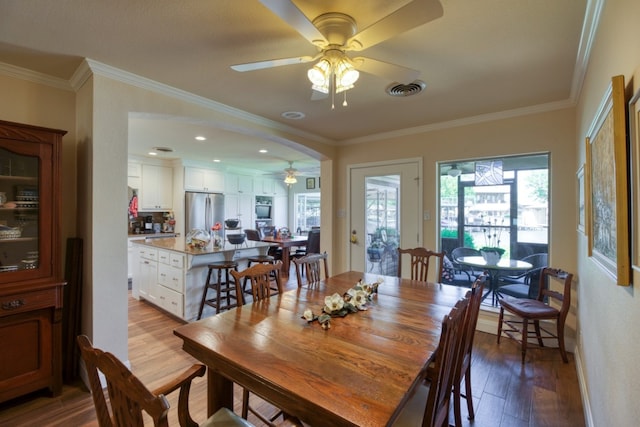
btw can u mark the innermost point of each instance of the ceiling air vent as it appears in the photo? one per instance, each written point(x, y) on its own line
point(163, 149)
point(410, 89)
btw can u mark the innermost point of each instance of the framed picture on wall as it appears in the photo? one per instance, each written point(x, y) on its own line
point(311, 183)
point(581, 201)
point(607, 225)
point(634, 153)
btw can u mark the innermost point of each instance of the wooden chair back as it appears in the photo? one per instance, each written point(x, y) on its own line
point(449, 349)
point(463, 364)
point(311, 266)
point(313, 242)
point(261, 277)
point(252, 234)
point(420, 259)
point(545, 294)
point(128, 397)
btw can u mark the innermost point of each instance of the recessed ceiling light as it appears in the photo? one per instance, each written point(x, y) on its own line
point(263, 151)
point(201, 138)
point(293, 115)
point(216, 160)
point(153, 153)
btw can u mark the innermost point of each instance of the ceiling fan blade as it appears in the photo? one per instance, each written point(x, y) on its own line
point(289, 13)
point(251, 66)
point(388, 70)
point(409, 16)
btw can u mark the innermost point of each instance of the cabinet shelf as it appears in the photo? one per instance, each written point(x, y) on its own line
point(19, 179)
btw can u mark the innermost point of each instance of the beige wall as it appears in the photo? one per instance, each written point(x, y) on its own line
point(609, 343)
point(552, 132)
point(607, 315)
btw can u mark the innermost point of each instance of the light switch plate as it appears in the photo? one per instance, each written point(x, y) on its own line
point(426, 215)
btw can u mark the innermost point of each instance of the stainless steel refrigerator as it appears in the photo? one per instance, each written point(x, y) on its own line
point(203, 210)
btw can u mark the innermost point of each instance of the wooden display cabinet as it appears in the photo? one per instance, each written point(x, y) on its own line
point(31, 284)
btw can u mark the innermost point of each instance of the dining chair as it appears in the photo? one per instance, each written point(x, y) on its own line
point(536, 310)
point(256, 236)
point(420, 259)
point(129, 397)
point(463, 365)
point(438, 400)
point(261, 277)
point(310, 266)
point(525, 283)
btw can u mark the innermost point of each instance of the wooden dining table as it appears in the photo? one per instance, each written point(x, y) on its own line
point(359, 372)
point(286, 243)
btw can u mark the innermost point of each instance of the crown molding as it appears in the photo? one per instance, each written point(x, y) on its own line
point(588, 35)
point(490, 117)
point(34, 76)
point(148, 84)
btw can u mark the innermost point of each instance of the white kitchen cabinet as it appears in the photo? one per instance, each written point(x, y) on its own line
point(245, 184)
point(148, 271)
point(199, 179)
point(156, 192)
point(280, 211)
point(240, 206)
point(171, 301)
point(235, 184)
point(280, 188)
point(171, 280)
point(264, 186)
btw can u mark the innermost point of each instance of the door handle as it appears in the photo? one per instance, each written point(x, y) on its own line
point(354, 237)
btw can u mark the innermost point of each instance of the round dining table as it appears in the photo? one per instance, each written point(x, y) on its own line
point(494, 271)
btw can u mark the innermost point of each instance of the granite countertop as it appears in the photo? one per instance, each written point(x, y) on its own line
point(178, 244)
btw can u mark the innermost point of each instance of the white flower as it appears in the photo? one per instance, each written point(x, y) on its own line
point(308, 315)
point(333, 303)
point(358, 298)
point(366, 288)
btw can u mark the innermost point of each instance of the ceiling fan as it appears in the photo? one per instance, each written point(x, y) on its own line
point(291, 174)
point(335, 33)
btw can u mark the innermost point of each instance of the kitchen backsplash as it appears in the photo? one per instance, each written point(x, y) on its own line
point(152, 222)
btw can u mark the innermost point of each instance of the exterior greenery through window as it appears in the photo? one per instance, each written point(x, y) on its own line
point(514, 212)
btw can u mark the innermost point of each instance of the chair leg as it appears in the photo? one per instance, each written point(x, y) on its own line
point(468, 396)
point(525, 338)
point(456, 404)
point(500, 323)
point(560, 333)
point(204, 295)
point(536, 324)
point(245, 403)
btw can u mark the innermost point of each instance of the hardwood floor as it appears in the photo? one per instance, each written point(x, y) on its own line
point(543, 392)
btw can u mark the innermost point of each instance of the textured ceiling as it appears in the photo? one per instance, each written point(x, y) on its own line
point(480, 58)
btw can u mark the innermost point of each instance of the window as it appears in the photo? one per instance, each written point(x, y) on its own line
point(508, 196)
point(307, 211)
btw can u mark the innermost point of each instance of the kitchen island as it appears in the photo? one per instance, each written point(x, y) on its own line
point(170, 274)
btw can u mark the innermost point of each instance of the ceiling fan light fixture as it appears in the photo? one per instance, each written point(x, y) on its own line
point(454, 172)
point(334, 68)
point(319, 74)
point(290, 179)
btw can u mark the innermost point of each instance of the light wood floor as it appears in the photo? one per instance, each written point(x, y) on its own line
point(543, 392)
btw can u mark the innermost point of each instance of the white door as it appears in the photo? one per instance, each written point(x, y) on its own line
point(385, 201)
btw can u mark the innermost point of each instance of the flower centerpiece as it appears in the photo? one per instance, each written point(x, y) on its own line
point(491, 251)
point(215, 235)
point(336, 305)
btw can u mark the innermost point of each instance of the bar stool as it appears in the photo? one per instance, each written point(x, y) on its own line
point(223, 289)
point(257, 259)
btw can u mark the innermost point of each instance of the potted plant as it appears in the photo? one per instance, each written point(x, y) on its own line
point(375, 250)
point(491, 251)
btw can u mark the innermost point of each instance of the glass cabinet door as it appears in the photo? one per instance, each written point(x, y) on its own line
point(19, 211)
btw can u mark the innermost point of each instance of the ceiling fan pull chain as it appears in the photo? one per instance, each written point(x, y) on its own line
point(344, 103)
point(333, 92)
